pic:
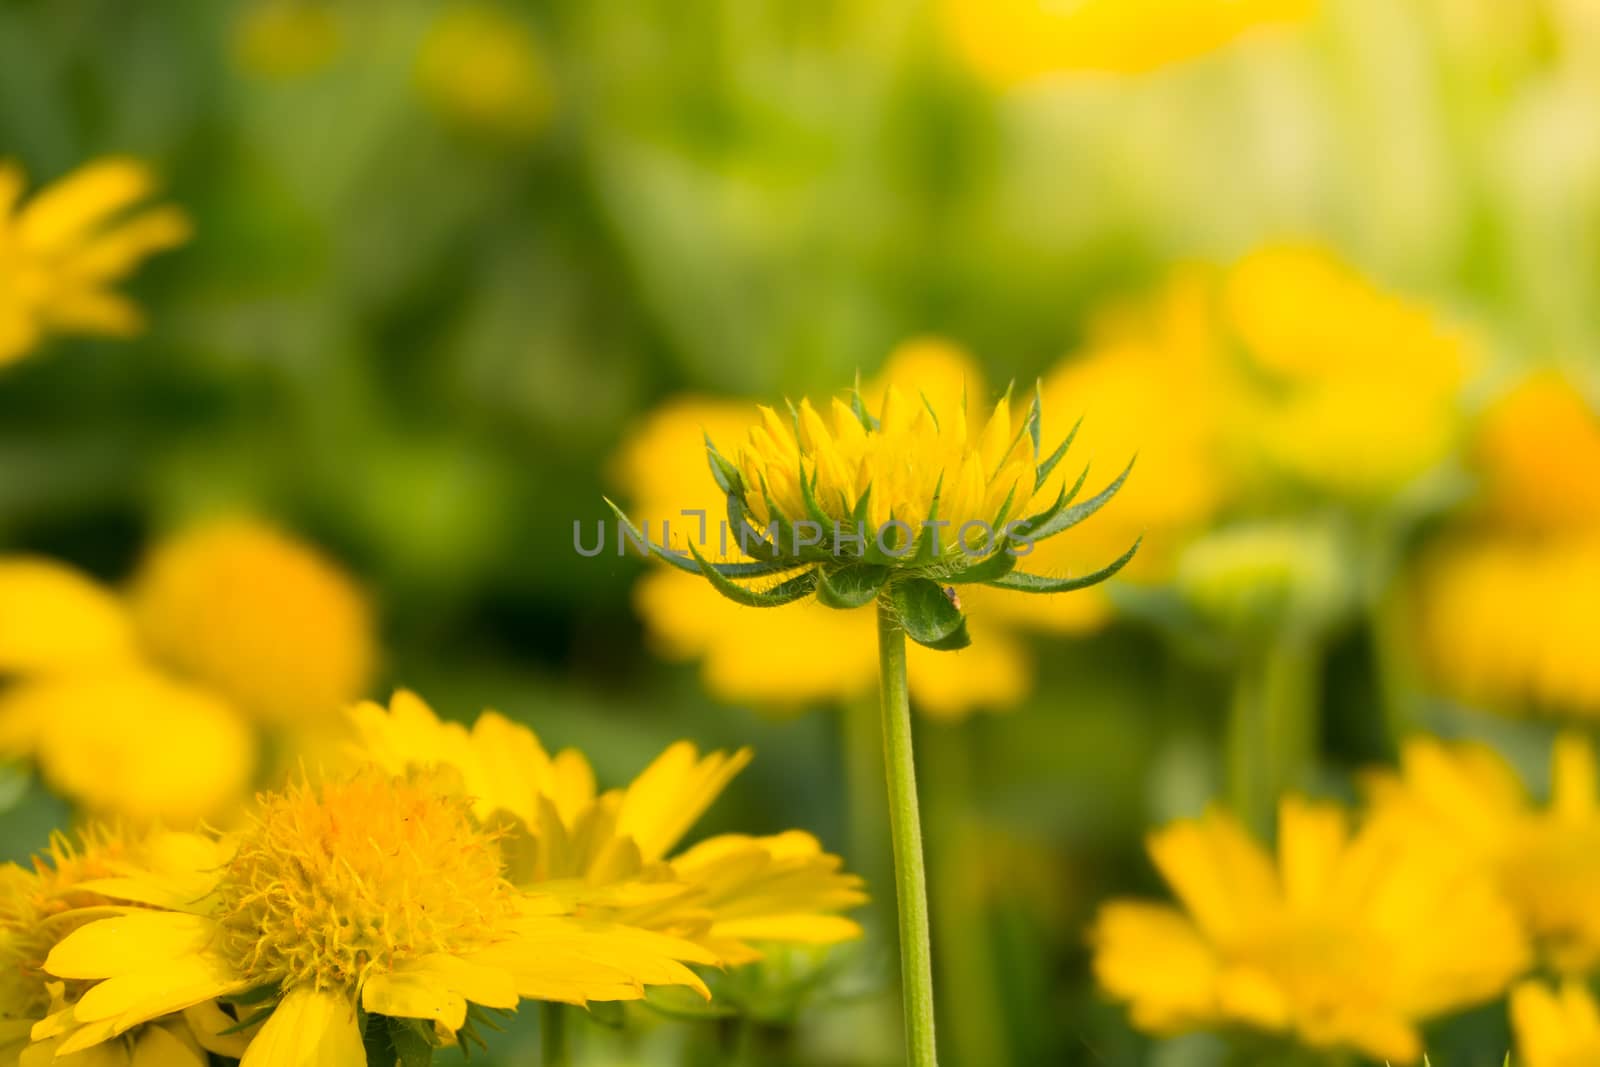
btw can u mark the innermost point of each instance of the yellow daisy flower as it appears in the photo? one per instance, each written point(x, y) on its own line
point(1546, 859)
point(1347, 940)
point(42, 904)
point(62, 250)
point(1555, 1027)
point(1012, 41)
point(616, 851)
point(480, 68)
point(372, 895)
point(1504, 606)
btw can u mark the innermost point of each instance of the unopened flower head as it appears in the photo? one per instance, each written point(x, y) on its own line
point(909, 501)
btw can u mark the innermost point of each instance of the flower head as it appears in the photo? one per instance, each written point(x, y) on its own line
point(1348, 940)
point(1545, 859)
point(62, 251)
point(809, 652)
point(373, 895)
point(908, 502)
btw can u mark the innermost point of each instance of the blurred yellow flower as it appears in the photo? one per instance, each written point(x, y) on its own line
point(287, 38)
point(1505, 607)
point(615, 850)
point(1546, 859)
point(1538, 449)
point(808, 652)
point(140, 706)
point(263, 618)
point(132, 742)
point(1555, 1027)
point(41, 904)
point(480, 67)
point(1349, 940)
point(1012, 41)
point(53, 618)
point(62, 250)
point(1508, 624)
point(378, 893)
point(1347, 389)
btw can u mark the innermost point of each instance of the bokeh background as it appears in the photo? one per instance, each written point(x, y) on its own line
point(451, 261)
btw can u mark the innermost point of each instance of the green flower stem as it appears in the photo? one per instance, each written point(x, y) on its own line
point(905, 829)
point(555, 1048)
point(1272, 728)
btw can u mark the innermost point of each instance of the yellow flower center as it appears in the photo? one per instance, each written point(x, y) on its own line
point(913, 466)
point(336, 882)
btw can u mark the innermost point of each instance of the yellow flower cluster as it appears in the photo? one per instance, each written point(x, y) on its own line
point(142, 703)
point(1507, 602)
point(442, 872)
point(1011, 41)
point(61, 252)
point(1454, 883)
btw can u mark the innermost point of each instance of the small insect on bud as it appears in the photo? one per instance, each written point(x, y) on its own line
point(954, 597)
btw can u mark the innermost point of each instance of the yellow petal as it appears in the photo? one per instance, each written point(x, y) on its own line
point(309, 1029)
point(53, 617)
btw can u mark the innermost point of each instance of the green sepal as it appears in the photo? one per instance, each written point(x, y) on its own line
point(726, 474)
point(991, 568)
point(392, 1042)
point(925, 552)
point(750, 540)
point(928, 616)
point(1049, 465)
point(859, 406)
point(687, 563)
point(1021, 582)
point(853, 585)
point(808, 495)
point(1069, 517)
point(785, 592)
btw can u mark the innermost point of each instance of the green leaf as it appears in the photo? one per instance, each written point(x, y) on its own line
point(801, 585)
point(928, 615)
point(1070, 517)
point(850, 586)
point(1038, 583)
